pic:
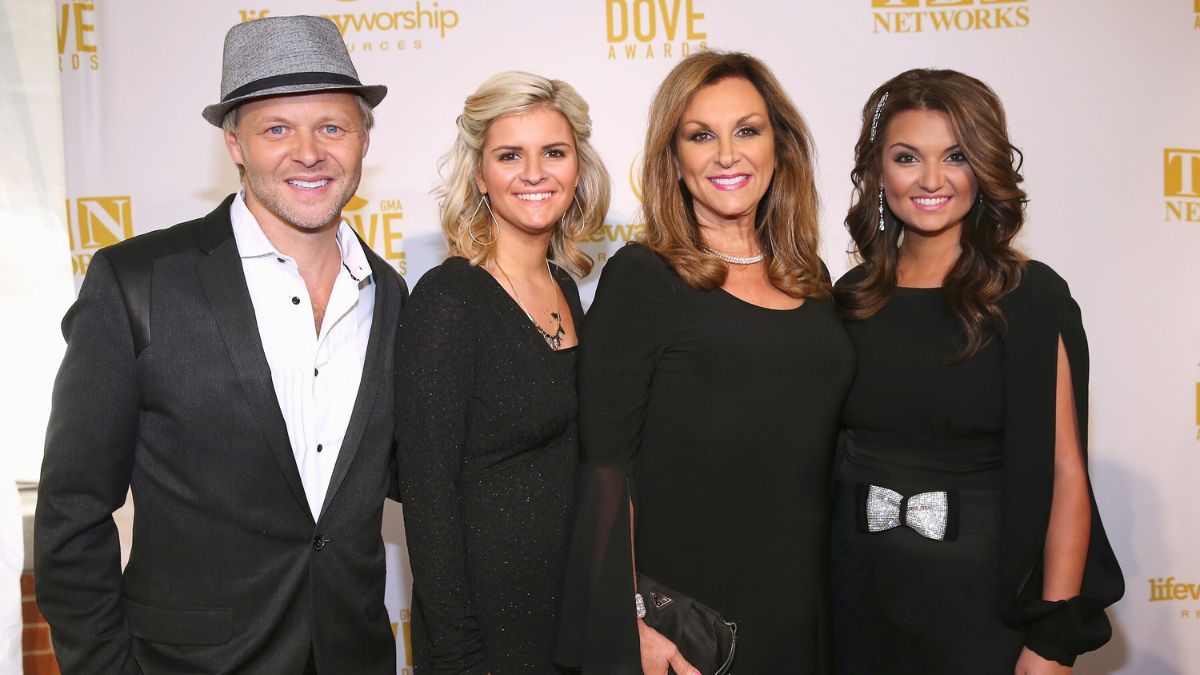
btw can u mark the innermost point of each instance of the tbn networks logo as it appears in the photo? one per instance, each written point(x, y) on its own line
point(77, 44)
point(652, 29)
point(925, 16)
point(1181, 184)
point(96, 222)
point(380, 226)
point(383, 31)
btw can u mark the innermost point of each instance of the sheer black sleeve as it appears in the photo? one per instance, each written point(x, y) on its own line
point(435, 364)
point(623, 335)
point(1038, 313)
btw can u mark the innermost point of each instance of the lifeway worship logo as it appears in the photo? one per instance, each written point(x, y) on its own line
point(391, 31)
point(1168, 589)
point(612, 236)
point(653, 29)
point(939, 16)
point(96, 222)
point(77, 44)
point(1181, 184)
point(380, 227)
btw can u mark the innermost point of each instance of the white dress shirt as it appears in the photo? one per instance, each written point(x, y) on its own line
point(316, 375)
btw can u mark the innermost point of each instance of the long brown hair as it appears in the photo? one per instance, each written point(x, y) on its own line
point(988, 267)
point(786, 220)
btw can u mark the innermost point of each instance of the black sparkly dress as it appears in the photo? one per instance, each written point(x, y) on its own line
point(719, 418)
point(487, 446)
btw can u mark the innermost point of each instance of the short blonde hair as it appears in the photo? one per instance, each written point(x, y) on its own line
point(467, 227)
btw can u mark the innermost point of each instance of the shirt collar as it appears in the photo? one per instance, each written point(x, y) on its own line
point(252, 242)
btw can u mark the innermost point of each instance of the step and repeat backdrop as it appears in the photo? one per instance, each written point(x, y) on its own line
point(1101, 97)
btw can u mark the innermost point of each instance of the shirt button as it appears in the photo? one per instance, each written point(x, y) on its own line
point(320, 447)
point(281, 260)
point(295, 300)
point(319, 542)
point(316, 372)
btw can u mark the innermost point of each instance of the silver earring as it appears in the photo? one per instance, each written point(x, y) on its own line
point(881, 208)
point(575, 200)
point(483, 201)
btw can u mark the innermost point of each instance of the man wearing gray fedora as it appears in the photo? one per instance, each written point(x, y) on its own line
point(235, 373)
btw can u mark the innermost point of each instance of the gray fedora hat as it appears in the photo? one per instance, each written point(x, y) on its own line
point(286, 55)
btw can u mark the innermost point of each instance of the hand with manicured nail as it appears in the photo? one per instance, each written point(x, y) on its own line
point(659, 654)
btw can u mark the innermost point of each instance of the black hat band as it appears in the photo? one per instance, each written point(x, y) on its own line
point(291, 79)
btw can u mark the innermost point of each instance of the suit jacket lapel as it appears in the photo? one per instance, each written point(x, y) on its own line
point(225, 285)
point(379, 346)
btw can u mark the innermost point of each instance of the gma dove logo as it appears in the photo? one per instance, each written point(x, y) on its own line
point(405, 625)
point(96, 222)
point(651, 29)
point(77, 45)
point(379, 227)
point(939, 16)
point(1181, 184)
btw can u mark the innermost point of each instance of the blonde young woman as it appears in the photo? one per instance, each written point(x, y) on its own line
point(486, 382)
point(712, 375)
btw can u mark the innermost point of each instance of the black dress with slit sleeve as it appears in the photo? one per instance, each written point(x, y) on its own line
point(981, 431)
point(718, 419)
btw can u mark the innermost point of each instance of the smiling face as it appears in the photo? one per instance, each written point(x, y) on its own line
point(930, 187)
point(302, 157)
point(725, 151)
point(529, 170)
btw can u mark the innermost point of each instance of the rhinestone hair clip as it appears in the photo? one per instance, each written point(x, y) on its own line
point(878, 111)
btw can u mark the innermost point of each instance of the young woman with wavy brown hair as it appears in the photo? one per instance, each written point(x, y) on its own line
point(966, 538)
point(712, 372)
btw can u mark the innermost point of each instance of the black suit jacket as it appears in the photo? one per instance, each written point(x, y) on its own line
point(229, 572)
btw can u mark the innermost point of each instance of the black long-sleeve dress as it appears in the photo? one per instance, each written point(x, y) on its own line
point(982, 432)
point(487, 445)
point(719, 417)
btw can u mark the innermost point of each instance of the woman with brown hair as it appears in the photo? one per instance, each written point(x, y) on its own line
point(712, 372)
point(966, 539)
point(486, 403)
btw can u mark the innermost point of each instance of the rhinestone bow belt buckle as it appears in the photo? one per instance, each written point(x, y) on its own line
point(930, 514)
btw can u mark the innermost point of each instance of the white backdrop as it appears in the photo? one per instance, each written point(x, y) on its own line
point(1100, 94)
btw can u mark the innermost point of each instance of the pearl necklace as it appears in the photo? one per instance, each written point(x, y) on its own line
point(735, 260)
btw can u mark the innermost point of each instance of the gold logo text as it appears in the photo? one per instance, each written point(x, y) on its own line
point(650, 29)
point(921, 16)
point(1181, 184)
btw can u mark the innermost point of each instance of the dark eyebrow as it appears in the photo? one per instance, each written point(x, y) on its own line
point(902, 144)
point(518, 148)
point(742, 120)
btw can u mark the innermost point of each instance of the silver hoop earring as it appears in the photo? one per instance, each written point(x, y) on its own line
point(881, 206)
point(562, 221)
point(483, 201)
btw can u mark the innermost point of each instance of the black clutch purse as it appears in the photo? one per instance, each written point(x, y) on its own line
point(702, 635)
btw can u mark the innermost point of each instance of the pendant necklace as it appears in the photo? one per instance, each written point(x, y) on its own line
point(554, 340)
